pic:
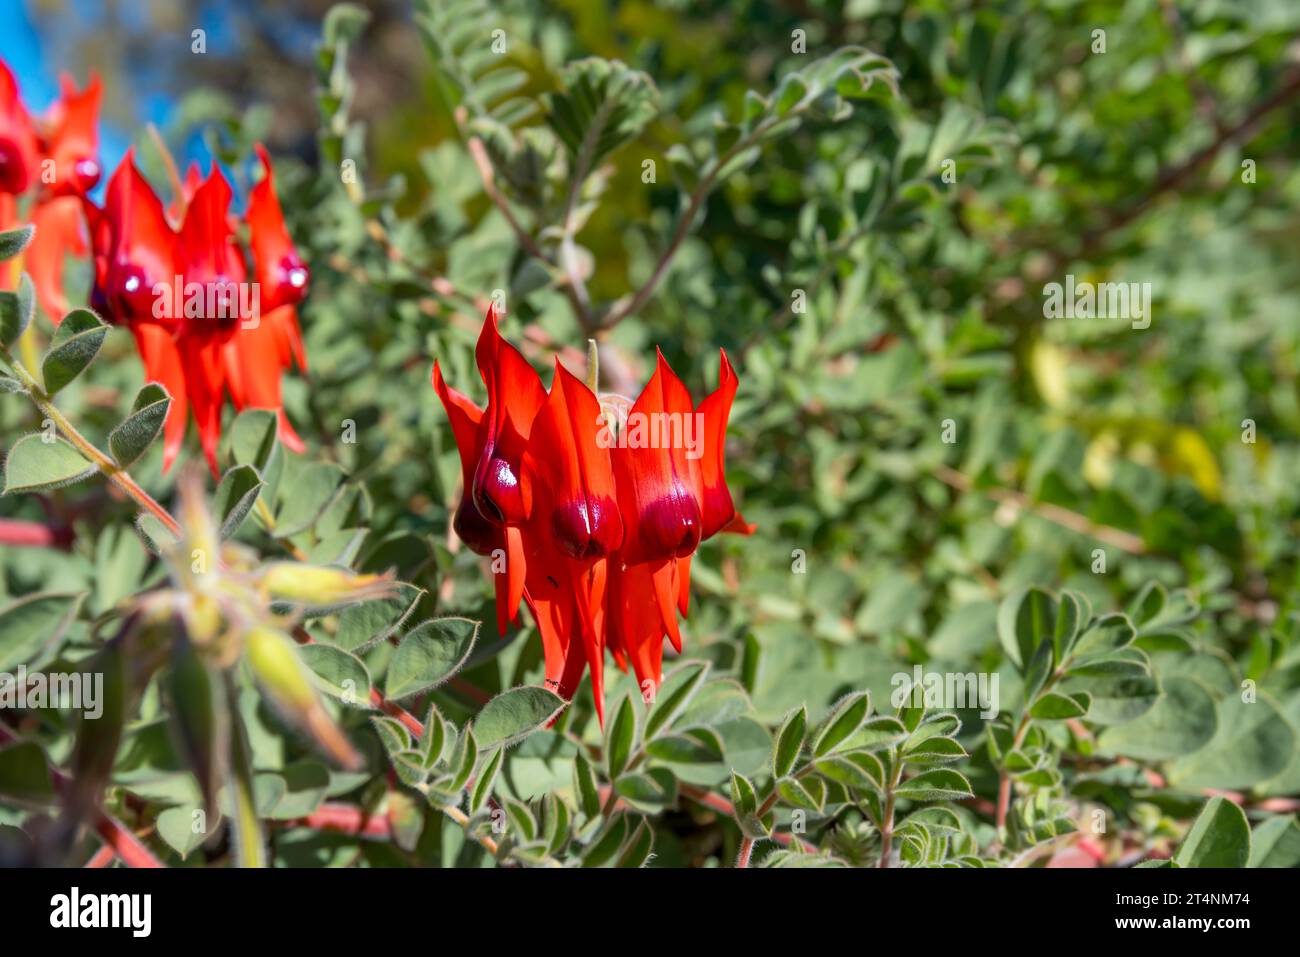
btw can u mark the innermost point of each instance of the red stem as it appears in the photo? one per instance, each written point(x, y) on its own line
point(14, 531)
point(124, 844)
point(102, 858)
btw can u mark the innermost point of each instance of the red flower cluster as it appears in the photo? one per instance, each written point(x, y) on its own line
point(591, 507)
point(53, 160)
point(201, 326)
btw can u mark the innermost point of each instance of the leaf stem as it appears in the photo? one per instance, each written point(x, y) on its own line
point(114, 472)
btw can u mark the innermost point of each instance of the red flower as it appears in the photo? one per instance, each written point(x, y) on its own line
point(55, 160)
point(19, 148)
point(201, 327)
point(592, 527)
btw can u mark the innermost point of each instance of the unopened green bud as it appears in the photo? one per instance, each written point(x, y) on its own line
point(321, 586)
point(288, 683)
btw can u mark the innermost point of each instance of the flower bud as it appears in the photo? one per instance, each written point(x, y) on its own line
point(322, 586)
point(288, 683)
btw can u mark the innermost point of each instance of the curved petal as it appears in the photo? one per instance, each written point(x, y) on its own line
point(515, 395)
point(716, 409)
point(281, 272)
point(658, 478)
point(466, 428)
point(19, 147)
point(135, 249)
point(201, 359)
point(638, 618)
point(252, 374)
point(58, 233)
point(568, 476)
point(73, 138)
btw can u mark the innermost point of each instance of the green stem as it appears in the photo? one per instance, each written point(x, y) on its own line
point(114, 472)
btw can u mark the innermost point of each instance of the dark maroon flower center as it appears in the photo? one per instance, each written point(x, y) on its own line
point(586, 527)
point(13, 172)
point(671, 524)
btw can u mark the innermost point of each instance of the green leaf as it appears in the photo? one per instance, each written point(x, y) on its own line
point(302, 787)
point(675, 693)
point(1071, 615)
point(1219, 837)
point(312, 490)
point(604, 849)
point(1107, 634)
point(235, 497)
point(35, 464)
point(464, 758)
point(878, 733)
point(682, 749)
point(1114, 698)
point(1276, 843)
point(556, 833)
point(254, 440)
point(939, 784)
point(845, 719)
point(14, 241)
point(364, 625)
point(1182, 721)
point(132, 438)
point(177, 827)
point(584, 784)
point(620, 738)
point(25, 774)
point(1055, 706)
point(807, 793)
point(429, 654)
point(743, 798)
point(934, 751)
point(650, 792)
point(76, 343)
point(157, 536)
point(34, 625)
point(855, 769)
point(513, 715)
point(638, 847)
point(602, 104)
point(1040, 666)
point(789, 742)
point(16, 309)
point(392, 733)
point(1253, 742)
point(486, 779)
point(1026, 619)
point(341, 675)
point(744, 801)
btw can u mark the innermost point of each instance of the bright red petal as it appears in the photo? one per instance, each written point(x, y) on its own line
point(19, 148)
point(201, 359)
point(515, 395)
point(73, 140)
point(252, 374)
point(714, 494)
point(569, 477)
point(58, 233)
point(136, 251)
point(466, 428)
point(658, 479)
point(282, 274)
